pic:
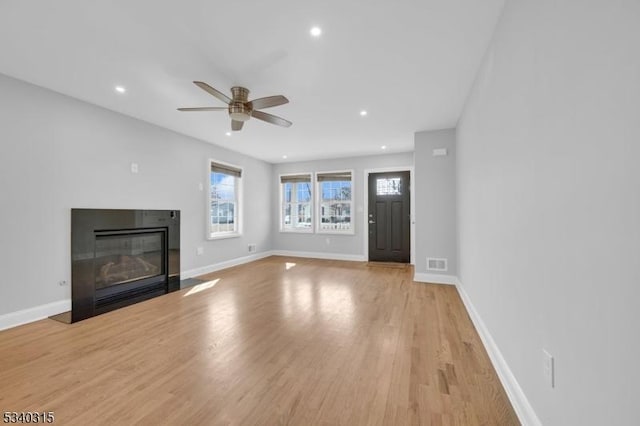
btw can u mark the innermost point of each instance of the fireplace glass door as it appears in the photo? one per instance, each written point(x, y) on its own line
point(127, 258)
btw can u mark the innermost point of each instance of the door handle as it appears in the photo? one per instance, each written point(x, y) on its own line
point(372, 221)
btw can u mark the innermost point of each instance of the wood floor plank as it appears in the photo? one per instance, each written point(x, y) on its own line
point(280, 341)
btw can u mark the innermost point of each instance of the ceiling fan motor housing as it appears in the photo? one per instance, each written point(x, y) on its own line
point(239, 108)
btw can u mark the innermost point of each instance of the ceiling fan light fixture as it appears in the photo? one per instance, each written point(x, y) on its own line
point(239, 111)
point(239, 116)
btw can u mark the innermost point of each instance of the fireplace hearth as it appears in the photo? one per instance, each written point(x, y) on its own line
point(121, 257)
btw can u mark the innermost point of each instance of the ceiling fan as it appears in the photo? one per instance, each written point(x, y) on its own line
point(241, 108)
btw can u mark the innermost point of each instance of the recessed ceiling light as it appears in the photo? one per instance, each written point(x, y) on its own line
point(120, 89)
point(284, 156)
point(228, 133)
point(315, 31)
point(363, 113)
point(383, 147)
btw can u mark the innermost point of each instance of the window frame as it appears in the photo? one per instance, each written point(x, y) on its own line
point(238, 210)
point(281, 204)
point(352, 228)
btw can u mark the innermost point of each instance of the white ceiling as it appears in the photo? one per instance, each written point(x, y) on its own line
point(409, 63)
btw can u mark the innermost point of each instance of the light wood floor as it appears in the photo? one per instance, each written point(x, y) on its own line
point(278, 341)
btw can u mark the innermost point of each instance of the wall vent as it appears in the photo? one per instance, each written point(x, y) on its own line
point(252, 248)
point(435, 264)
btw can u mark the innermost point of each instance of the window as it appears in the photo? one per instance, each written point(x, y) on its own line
point(296, 197)
point(389, 186)
point(335, 204)
point(224, 206)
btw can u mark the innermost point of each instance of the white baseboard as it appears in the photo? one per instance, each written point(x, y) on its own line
point(516, 395)
point(320, 255)
point(422, 277)
point(223, 265)
point(14, 319)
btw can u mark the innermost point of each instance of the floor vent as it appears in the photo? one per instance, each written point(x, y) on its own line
point(435, 264)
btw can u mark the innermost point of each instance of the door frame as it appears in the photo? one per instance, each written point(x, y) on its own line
point(412, 211)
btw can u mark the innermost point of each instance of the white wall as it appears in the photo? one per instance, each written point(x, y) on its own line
point(435, 186)
point(350, 245)
point(59, 153)
point(549, 204)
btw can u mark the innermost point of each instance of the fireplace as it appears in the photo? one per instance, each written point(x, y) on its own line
point(121, 257)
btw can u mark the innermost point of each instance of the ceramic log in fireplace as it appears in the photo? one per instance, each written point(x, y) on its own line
point(121, 257)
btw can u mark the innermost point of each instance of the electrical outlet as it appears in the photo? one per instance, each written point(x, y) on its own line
point(200, 251)
point(549, 368)
point(328, 241)
point(252, 248)
point(134, 168)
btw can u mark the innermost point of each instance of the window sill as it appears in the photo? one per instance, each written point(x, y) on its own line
point(330, 232)
point(296, 231)
point(224, 236)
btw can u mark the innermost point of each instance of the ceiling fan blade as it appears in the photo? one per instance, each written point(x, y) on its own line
point(271, 118)
point(204, 109)
point(268, 102)
point(236, 125)
point(204, 86)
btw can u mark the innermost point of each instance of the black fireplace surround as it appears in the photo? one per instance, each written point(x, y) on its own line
point(121, 257)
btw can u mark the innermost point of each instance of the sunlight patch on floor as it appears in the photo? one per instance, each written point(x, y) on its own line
point(289, 265)
point(201, 287)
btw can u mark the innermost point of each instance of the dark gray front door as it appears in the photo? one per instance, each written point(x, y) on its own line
point(389, 217)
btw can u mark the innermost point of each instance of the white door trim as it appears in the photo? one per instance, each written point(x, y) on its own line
point(412, 212)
